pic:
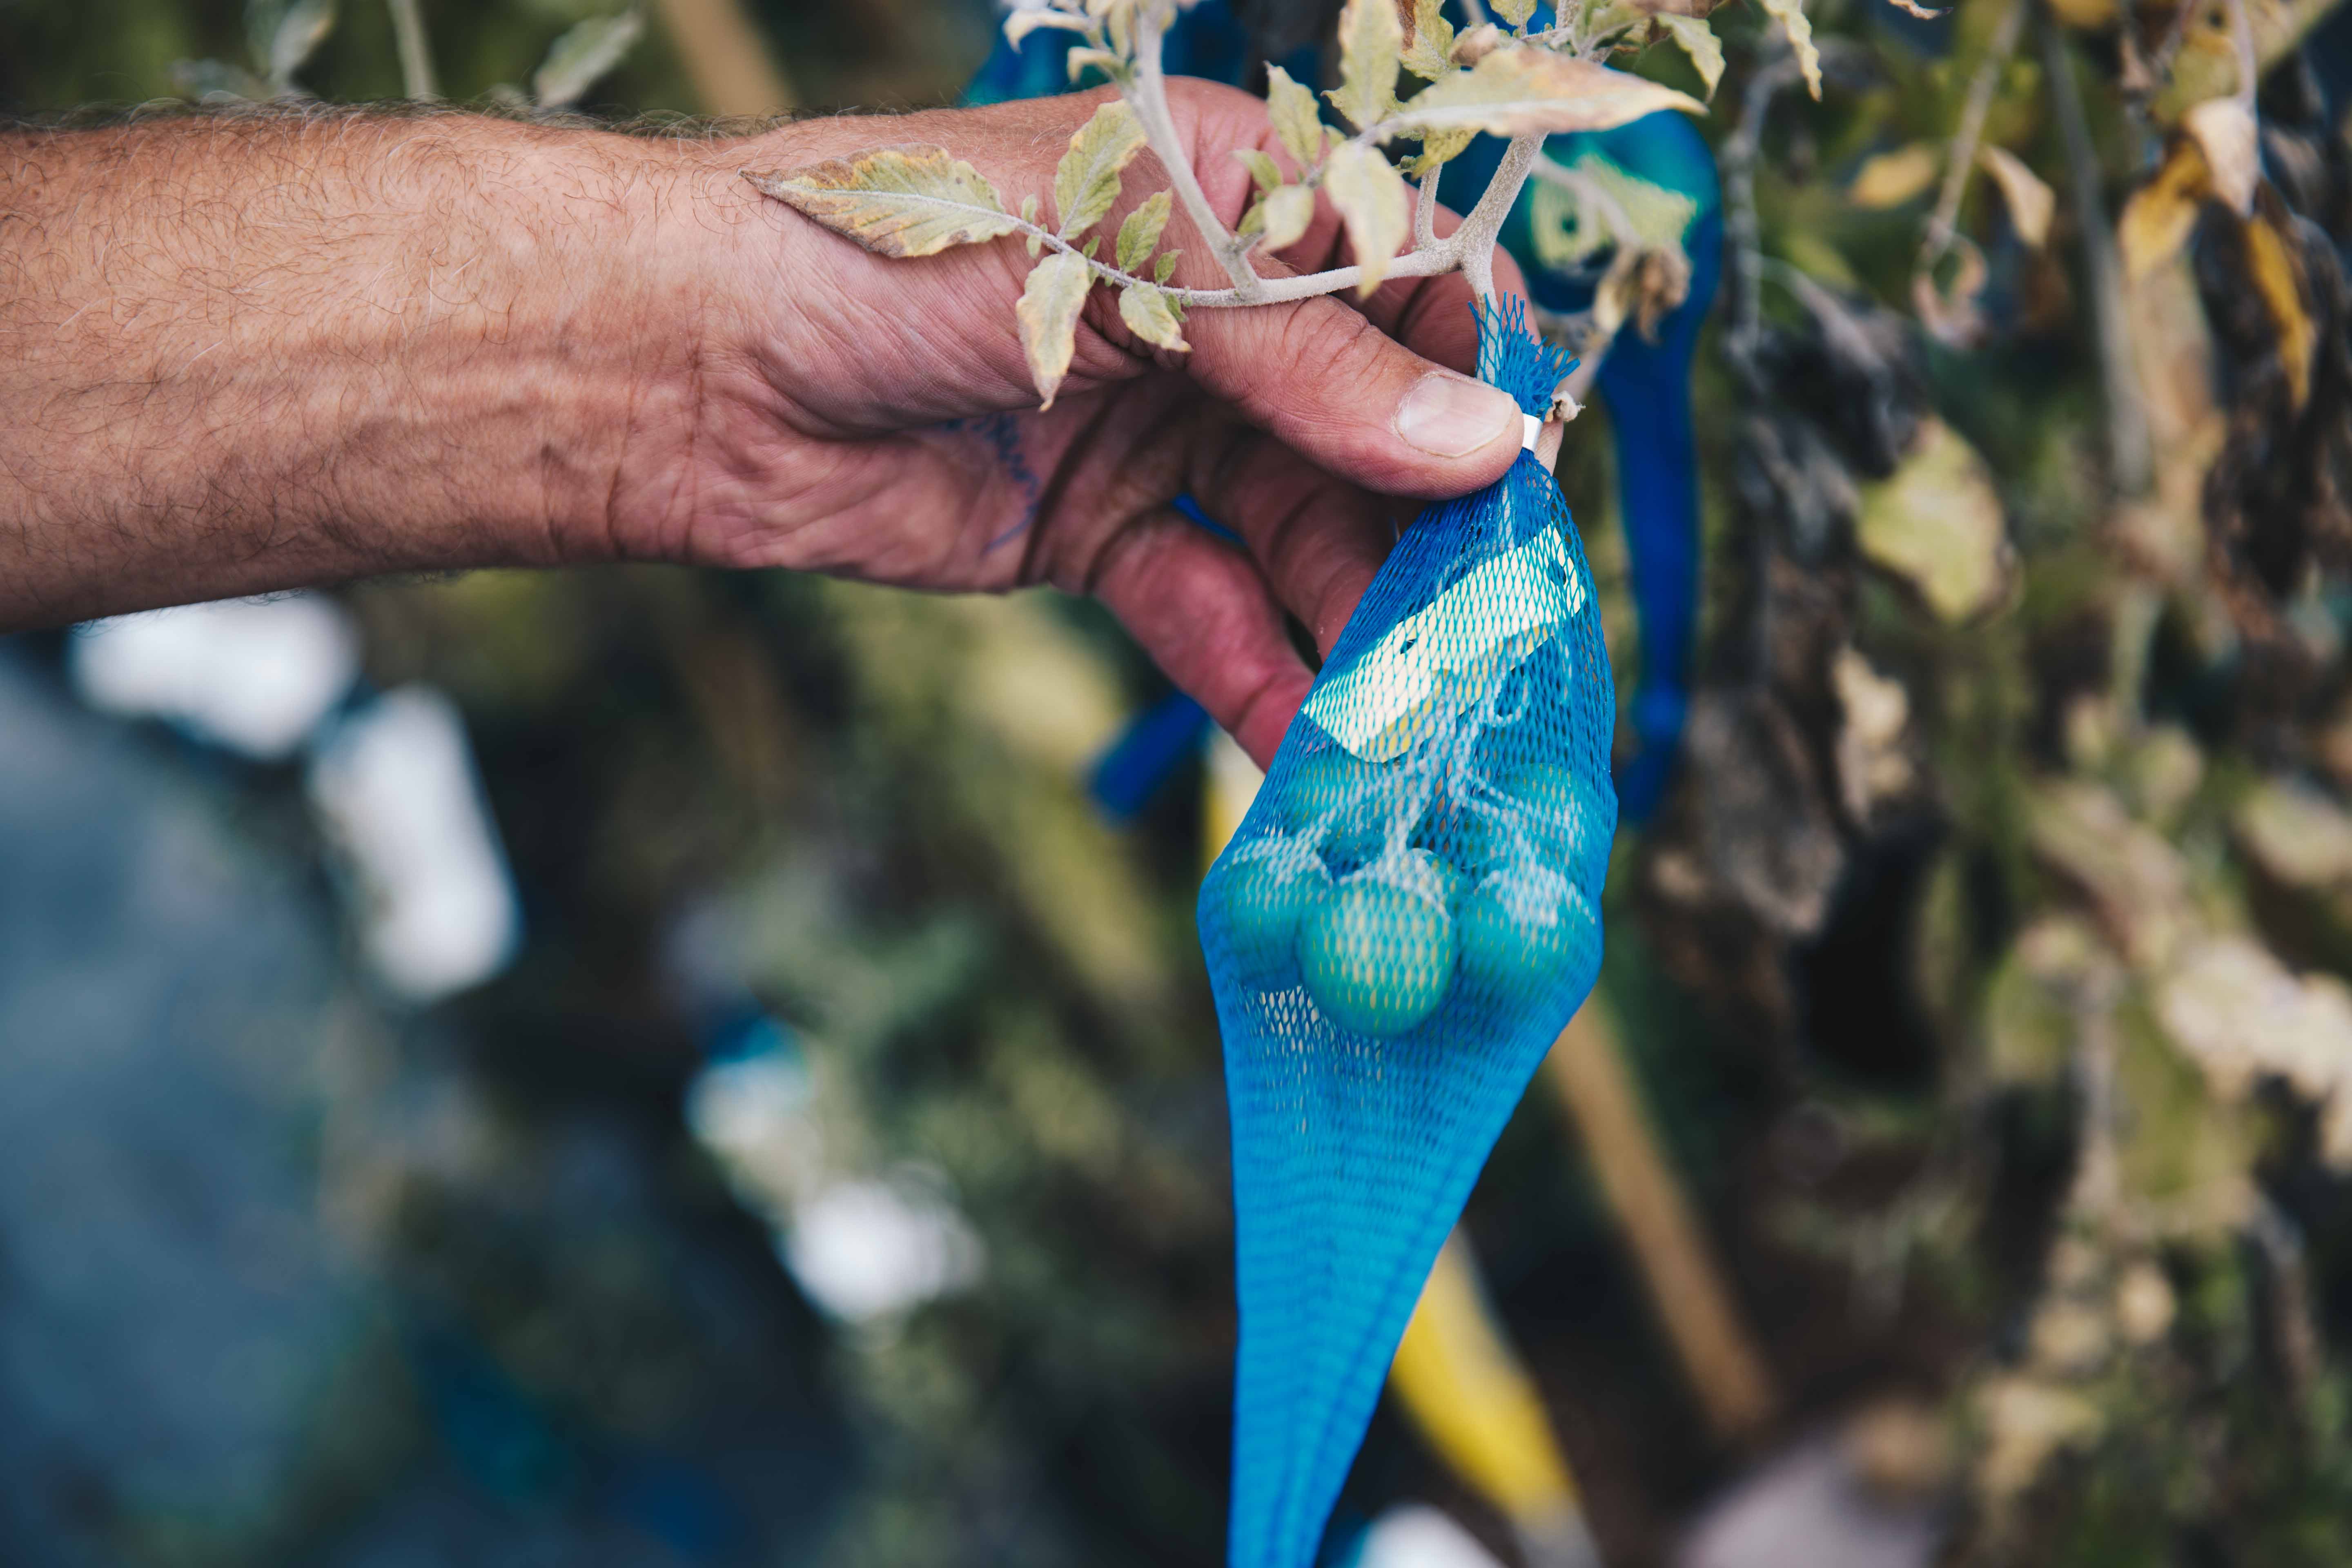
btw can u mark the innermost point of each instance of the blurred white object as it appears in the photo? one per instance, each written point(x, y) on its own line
point(1811, 1508)
point(1418, 1536)
point(865, 1249)
point(860, 1248)
point(253, 675)
point(756, 1114)
point(395, 790)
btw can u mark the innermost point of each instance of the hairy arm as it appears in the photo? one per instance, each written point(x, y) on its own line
point(243, 353)
point(250, 352)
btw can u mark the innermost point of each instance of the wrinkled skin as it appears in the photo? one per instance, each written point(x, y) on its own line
point(241, 356)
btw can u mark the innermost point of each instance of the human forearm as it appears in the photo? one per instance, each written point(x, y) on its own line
point(241, 353)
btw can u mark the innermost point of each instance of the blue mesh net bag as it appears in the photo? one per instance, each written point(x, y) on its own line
point(1407, 918)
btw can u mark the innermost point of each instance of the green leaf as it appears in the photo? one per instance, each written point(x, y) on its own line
point(1790, 14)
point(1092, 245)
point(1048, 314)
point(1291, 106)
point(1370, 43)
point(1517, 13)
point(1146, 311)
point(1165, 265)
point(1523, 90)
point(1141, 233)
point(582, 56)
point(1373, 202)
point(285, 34)
point(1437, 148)
point(1698, 41)
point(1429, 42)
point(1087, 182)
point(1264, 173)
point(899, 201)
point(1283, 214)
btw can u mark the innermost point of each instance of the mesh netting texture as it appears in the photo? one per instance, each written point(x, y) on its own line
point(1406, 919)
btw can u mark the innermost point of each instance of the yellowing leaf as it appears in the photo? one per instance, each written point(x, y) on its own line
point(899, 201)
point(1048, 314)
point(2278, 278)
point(1938, 522)
point(1291, 107)
point(1020, 24)
point(1141, 233)
point(2224, 132)
point(1525, 91)
point(1477, 43)
point(1371, 41)
point(2030, 202)
point(1283, 214)
point(1428, 40)
point(1517, 13)
point(1698, 41)
point(1890, 179)
point(1146, 311)
point(2161, 215)
point(1375, 204)
point(1087, 181)
point(1790, 14)
point(1438, 148)
point(1079, 61)
point(1264, 173)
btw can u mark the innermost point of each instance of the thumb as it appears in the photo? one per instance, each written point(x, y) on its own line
point(1329, 384)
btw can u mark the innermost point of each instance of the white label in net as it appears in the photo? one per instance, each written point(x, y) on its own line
point(1451, 655)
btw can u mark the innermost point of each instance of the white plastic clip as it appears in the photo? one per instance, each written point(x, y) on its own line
point(1531, 427)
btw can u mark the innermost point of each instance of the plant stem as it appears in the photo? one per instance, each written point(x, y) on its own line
point(1424, 210)
point(2130, 460)
point(1473, 242)
point(1426, 261)
point(415, 55)
point(1945, 222)
point(1147, 95)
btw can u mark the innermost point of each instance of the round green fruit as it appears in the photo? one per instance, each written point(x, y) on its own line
point(1262, 903)
point(1355, 794)
point(1519, 929)
point(1377, 958)
point(1563, 814)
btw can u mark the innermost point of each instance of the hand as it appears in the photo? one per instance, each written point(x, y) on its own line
point(873, 417)
point(243, 354)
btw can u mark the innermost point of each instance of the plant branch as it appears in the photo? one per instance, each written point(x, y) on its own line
point(1944, 224)
point(1424, 210)
point(2130, 457)
point(1426, 261)
point(415, 54)
point(1147, 95)
point(1742, 232)
point(1473, 242)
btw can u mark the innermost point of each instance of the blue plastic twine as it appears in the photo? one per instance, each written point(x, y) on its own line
point(1404, 923)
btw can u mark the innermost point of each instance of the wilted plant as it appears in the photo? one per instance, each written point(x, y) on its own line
point(1499, 77)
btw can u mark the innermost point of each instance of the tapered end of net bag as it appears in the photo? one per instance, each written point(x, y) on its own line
point(1407, 918)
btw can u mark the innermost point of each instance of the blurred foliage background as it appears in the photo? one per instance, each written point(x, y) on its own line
point(836, 1173)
